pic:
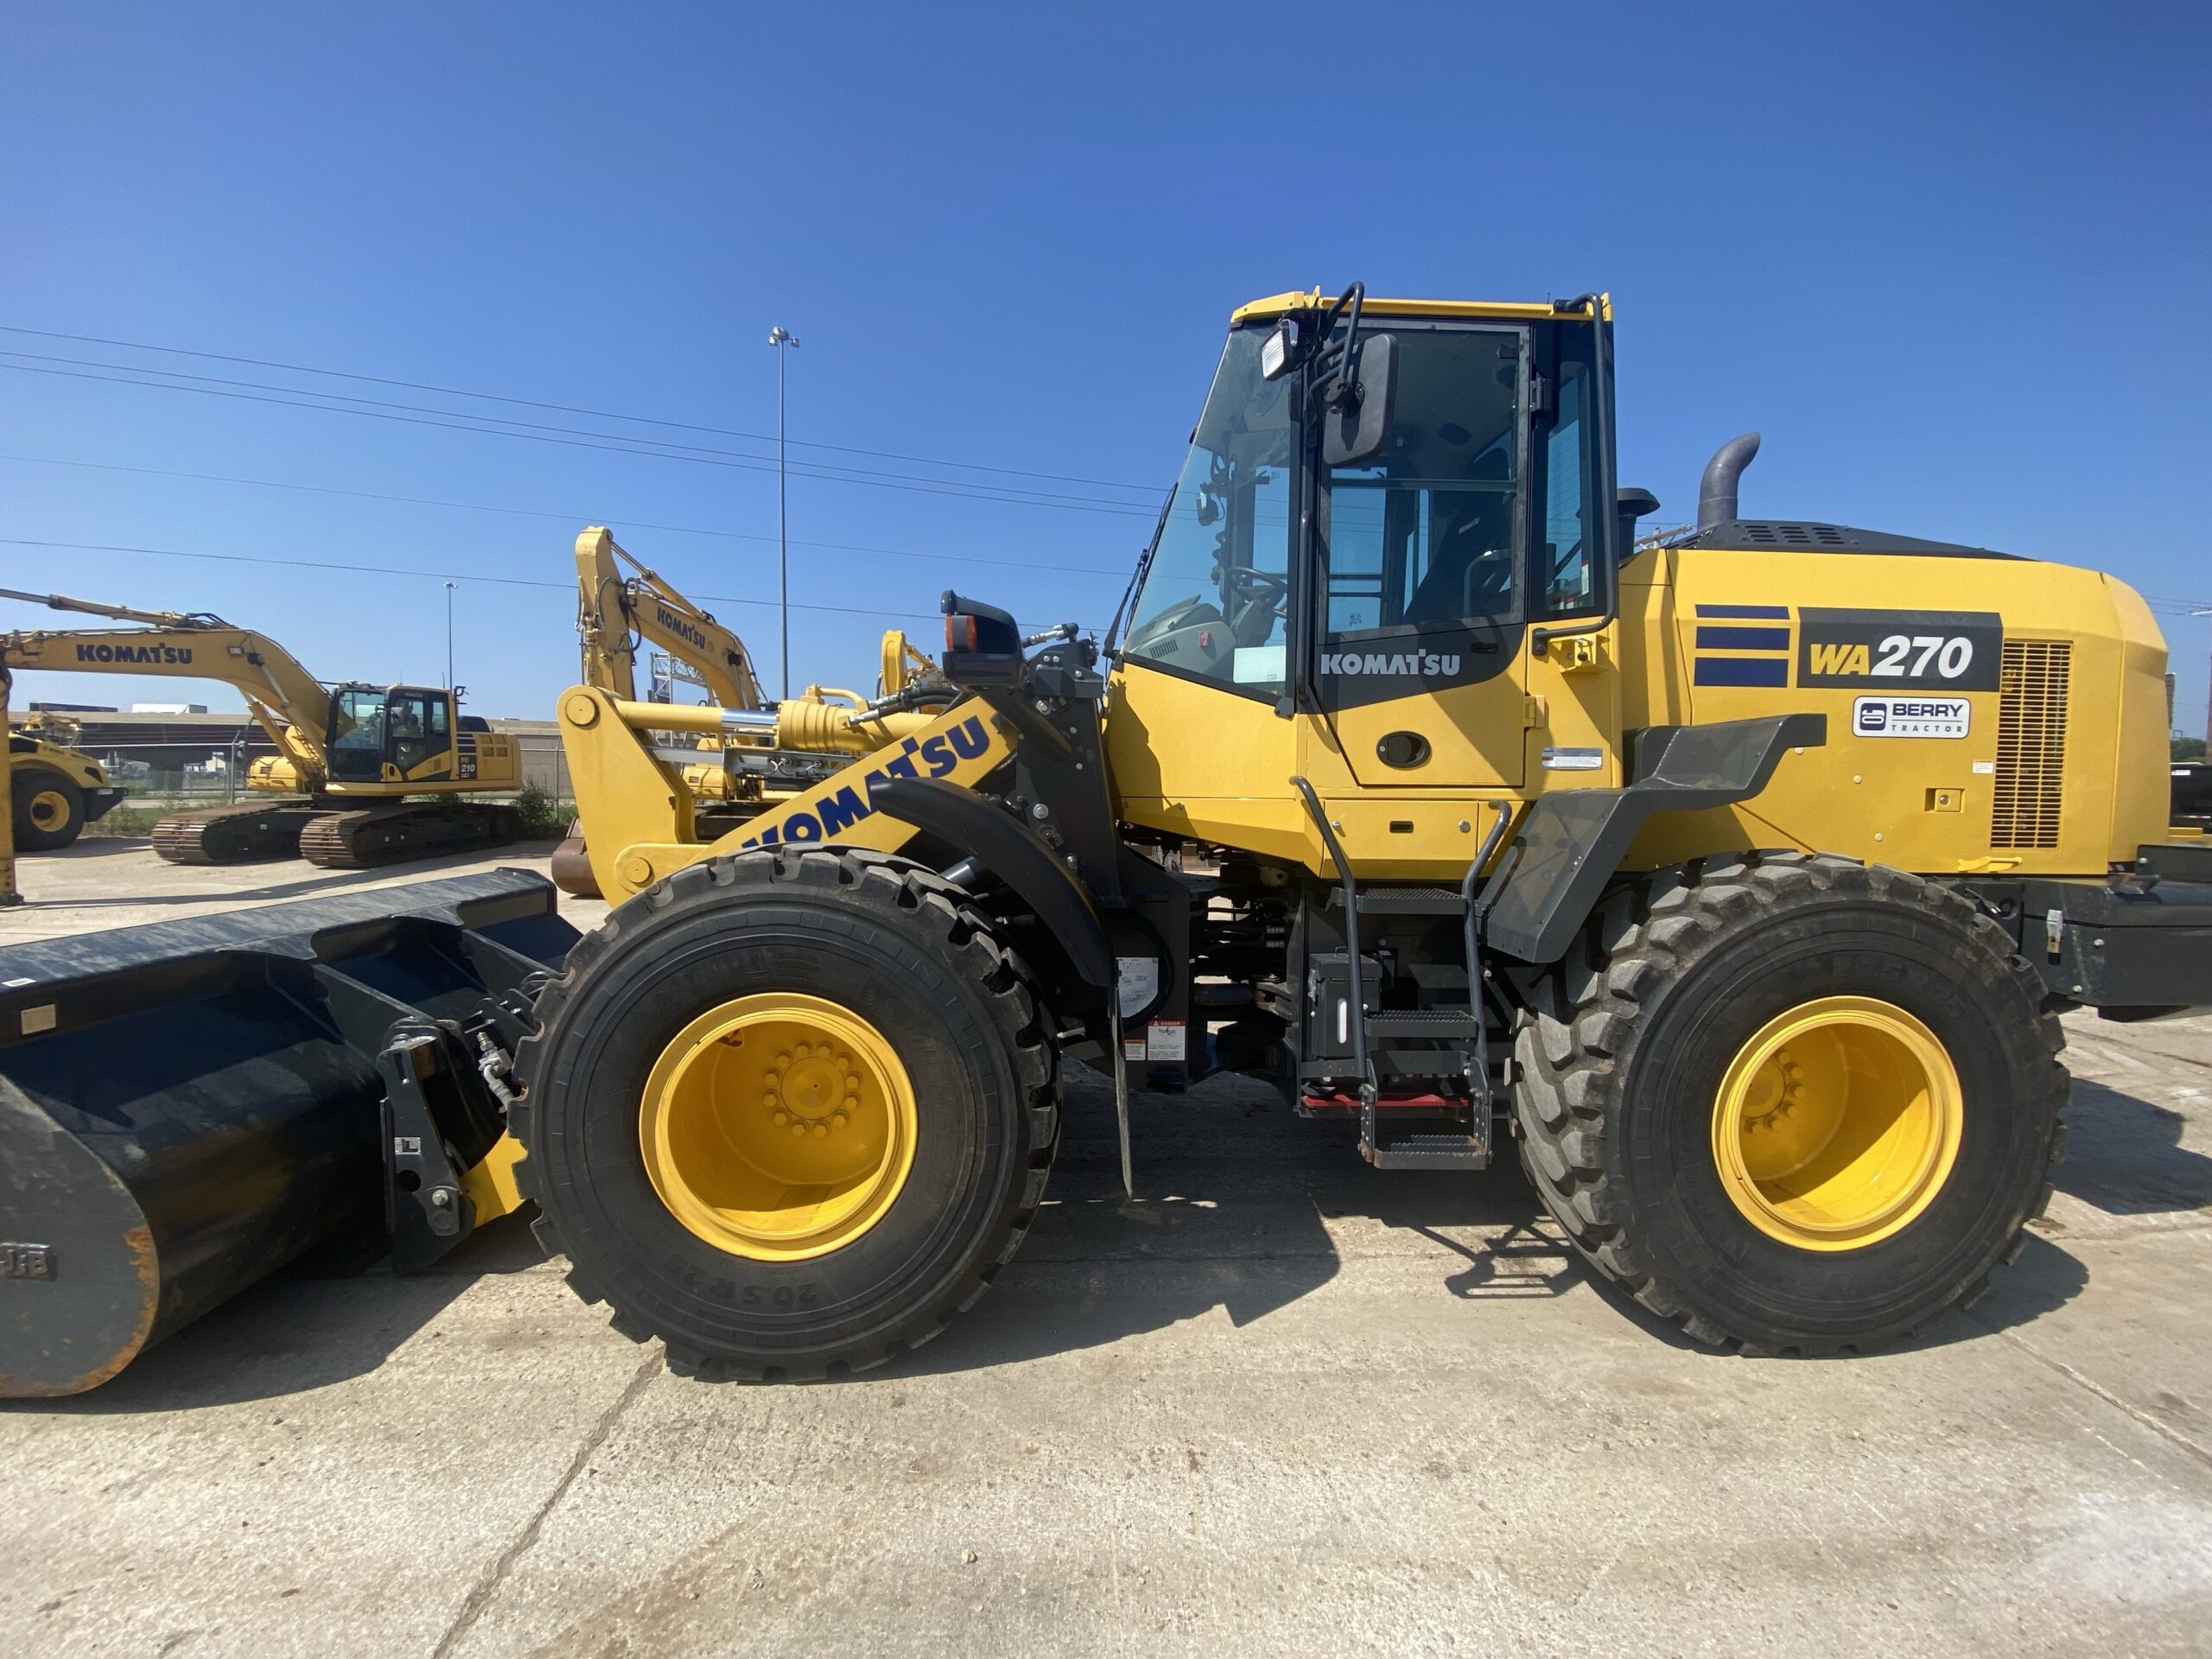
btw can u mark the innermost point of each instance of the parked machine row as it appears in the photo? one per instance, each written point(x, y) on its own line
point(363, 774)
point(1732, 881)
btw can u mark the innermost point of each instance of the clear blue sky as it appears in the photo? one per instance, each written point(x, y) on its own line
point(1947, 260)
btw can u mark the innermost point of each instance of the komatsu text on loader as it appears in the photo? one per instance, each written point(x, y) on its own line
point(1732, 882)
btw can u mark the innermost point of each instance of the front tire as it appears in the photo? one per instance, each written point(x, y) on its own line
point(1793, 1103)
point(49, 809)
point(788, 1112)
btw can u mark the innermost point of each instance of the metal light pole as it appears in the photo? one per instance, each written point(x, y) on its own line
point(779, 338)
point(449, 588)
point(2202, 611)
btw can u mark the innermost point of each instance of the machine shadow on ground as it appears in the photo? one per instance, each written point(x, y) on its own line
point(327, 1318)
point(1237, 1201)
point(2124, 1156)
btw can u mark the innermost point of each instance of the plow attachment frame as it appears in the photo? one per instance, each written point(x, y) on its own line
point(187, 1106)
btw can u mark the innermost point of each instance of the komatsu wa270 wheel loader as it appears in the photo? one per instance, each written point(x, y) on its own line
point(1732, 882)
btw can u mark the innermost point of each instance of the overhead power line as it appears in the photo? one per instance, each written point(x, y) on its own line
point(433, 576)
point(566, 409)
point(612, 444)
point(627, 523)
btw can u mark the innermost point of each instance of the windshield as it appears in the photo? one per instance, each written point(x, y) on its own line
point(356, 722)
point(1217, 591)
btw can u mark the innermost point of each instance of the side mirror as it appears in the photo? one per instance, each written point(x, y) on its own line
point(1356, 422)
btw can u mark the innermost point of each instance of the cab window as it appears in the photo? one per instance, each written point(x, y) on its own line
point(1217, 585)
point(1422, 537)
point(1570, 537)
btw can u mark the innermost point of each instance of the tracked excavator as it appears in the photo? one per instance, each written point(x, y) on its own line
point(772, 747)
point(1731, 882)
point(363, 774)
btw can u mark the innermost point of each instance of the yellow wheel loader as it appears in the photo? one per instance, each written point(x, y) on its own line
point(1731, 882)
point(55, 791)
point(368, 774)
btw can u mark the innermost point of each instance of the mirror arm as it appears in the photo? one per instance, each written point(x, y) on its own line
point(1343, 381)
point(1605, 533)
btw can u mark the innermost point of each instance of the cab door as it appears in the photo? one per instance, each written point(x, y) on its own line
point(1422, 606)
point(418, 735)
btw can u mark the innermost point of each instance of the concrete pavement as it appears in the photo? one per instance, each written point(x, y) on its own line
point(1283, 1403)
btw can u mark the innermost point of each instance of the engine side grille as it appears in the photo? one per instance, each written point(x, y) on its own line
point(2031, 742)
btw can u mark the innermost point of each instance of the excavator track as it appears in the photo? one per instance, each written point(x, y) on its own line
point(234, 835)
point(396, 832)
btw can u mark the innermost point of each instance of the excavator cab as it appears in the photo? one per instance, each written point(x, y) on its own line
point(394, 735)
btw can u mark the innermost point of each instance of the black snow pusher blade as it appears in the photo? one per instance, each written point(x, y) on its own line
point(186, 1107)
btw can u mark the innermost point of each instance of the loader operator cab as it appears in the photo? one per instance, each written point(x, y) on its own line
point(389, 733)
point(1280, 559)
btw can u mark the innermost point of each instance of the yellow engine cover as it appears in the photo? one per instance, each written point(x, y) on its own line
point(1984, 715)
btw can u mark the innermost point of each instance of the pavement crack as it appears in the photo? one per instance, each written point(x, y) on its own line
point(2082, 1379)
point(479, 1596)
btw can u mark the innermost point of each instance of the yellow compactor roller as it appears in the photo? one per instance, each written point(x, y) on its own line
point(1731, 882)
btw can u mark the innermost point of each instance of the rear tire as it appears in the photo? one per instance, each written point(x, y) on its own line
point(885, 942)
point(1628, 1068)
point(49, 809)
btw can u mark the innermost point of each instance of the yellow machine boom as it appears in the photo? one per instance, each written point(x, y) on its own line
point(367, 747)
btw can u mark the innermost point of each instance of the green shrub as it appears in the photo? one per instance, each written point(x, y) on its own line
point(543, 816)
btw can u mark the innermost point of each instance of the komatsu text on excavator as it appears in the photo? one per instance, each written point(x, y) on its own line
point(1732, 880)
point(367, 774)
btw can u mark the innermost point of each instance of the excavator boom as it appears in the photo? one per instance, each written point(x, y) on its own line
point(373, 746)
point(614, 611)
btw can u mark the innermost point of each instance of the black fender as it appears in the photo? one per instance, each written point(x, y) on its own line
point(1571, 842)
point(1014, 853)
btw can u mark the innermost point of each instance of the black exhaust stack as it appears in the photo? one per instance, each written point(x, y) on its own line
point(1716, 491)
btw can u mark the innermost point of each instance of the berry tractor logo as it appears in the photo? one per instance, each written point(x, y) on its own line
point(831, 813)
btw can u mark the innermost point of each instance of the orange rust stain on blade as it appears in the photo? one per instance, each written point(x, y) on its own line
point(139, 1241)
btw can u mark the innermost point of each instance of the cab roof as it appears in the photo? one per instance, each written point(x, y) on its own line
point(1276, 305)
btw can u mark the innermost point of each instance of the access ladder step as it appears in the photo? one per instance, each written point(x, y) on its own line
point(1436, 1025)
point(1429, 1151)
point(1406, 901)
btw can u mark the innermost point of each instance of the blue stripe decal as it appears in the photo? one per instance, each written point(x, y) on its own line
point(1742, 638)
point(1741, 671)
point(1776, 613)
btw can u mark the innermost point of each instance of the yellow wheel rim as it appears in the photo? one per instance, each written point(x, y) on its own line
point(49, 810)
point(779, 1127)
point(1837, 1123)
